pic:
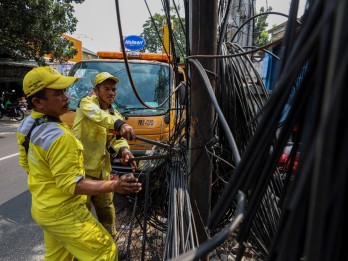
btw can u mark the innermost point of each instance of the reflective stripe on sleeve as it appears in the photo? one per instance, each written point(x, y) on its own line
point(26, 125)
point(91, 113)
point(45, 134)
point(78, 178)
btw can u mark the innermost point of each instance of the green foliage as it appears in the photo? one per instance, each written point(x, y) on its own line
point(153, 34)
point(261, 36)
point(33, 28)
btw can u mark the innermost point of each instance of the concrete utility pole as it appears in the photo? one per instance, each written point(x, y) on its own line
point(203, 39)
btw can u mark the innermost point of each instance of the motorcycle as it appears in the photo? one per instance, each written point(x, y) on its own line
point(13, 111)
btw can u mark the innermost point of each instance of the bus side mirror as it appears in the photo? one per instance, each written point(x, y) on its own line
point(181, 92)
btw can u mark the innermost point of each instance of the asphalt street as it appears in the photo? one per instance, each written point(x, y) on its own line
point(21, 238)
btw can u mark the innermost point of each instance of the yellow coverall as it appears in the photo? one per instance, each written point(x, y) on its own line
point(55, 165)
point(91, 125)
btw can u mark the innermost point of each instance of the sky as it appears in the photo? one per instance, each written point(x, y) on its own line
point(97, 26)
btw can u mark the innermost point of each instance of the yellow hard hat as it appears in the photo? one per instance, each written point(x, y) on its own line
point(45, 77)
point(100, 77)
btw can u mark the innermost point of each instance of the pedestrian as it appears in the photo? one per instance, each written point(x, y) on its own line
point(93, 119)
point(53, 158)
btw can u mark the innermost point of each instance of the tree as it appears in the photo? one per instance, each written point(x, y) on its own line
point(30, 29)
point(261, 36)
point(153, 34)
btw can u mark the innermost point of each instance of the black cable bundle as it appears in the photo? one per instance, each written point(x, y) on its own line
point(313, 225)
point(302, 218)
point(241, 96)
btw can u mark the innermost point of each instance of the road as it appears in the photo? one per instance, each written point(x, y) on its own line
point(21, 239)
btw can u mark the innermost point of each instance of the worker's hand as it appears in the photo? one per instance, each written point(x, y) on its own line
point(127, 132)
point(125, 156)
point(127, 184)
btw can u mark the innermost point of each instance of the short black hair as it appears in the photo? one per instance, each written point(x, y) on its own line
point(39, 95)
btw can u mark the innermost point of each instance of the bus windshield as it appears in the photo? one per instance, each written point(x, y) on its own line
point(152, 81)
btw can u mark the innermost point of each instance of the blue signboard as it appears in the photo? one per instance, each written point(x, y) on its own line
point(134, 42)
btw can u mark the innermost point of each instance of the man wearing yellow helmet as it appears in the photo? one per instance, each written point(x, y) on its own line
point(93, 119)
point(52, 157)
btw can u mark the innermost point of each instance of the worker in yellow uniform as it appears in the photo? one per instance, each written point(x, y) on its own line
point(93, 119)
point(53, 158)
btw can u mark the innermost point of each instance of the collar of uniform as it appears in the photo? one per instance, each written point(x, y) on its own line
point(96, 100)
point(37, 115)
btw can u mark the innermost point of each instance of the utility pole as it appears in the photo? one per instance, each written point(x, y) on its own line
point(203, 40)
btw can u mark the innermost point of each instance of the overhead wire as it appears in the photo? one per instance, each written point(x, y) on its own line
point(154, 198)
point(118, 15)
